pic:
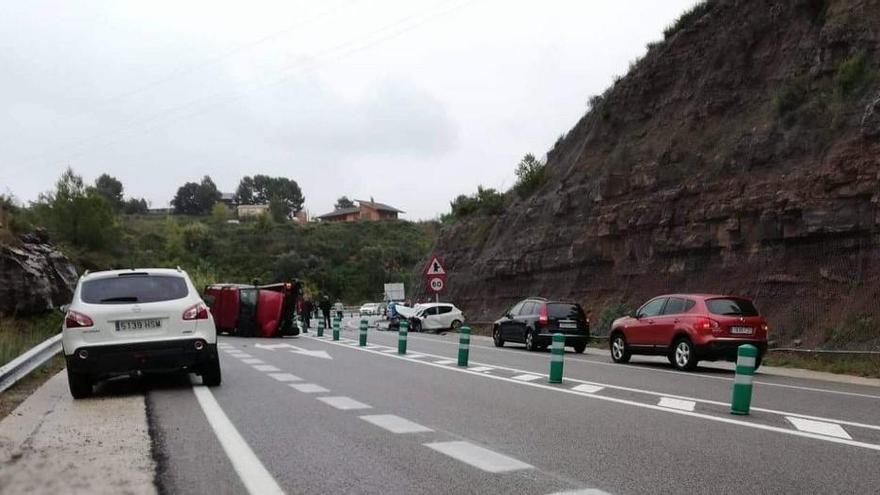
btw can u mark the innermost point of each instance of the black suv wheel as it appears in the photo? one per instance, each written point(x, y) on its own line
point(496, 337)
point(211, 375)
point(531, 345)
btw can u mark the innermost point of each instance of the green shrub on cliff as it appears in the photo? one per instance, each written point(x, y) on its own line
point(529, 175)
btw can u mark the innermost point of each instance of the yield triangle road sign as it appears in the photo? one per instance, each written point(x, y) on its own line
point(435, 268)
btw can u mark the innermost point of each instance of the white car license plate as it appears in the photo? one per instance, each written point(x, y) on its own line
point(741, 330)
point(568, 325)
point(138, 324)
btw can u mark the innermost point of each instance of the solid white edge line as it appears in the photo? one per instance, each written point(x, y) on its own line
point(720, 419)
point(253, 474)
point(682, 397)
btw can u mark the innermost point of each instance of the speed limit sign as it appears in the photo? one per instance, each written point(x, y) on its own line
point(436, 284)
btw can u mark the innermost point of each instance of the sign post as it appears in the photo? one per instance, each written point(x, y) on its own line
point(435, 276)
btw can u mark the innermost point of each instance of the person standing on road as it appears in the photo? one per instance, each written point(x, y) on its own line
point(339, 308)
point(325, 309)
point(307, 312)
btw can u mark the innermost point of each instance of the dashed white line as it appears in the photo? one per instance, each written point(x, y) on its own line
point(684, 405)
point(820, 427)
point(285, 377)
point(243, 355)
point(266, 368)
point(309, 388)
point(528, 377)
point(395, 424)
point(590, 389)
point(444, 361)
point(585, 491)
point(415, 356)
point(253, 361)
point(254, 476)
point(344, 403)
point(389, 351)
point(479, 457)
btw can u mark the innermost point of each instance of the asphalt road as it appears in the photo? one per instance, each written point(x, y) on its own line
point(288, 419)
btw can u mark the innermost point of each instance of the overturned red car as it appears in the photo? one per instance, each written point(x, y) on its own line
point(255, 311)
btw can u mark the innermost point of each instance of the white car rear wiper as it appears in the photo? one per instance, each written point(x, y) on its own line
point(120, 299)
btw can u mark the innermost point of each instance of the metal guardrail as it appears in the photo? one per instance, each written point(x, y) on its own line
point(19, 367)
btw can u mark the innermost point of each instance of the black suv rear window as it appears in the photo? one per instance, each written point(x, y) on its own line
point(731, 307)
point(565, 311)
point(133, 289)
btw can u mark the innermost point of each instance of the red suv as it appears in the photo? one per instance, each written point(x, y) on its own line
point(687, 328)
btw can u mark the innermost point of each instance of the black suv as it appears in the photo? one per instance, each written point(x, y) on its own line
point(533, 322)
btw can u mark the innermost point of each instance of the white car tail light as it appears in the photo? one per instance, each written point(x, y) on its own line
point(77, 320)
point(196, 312)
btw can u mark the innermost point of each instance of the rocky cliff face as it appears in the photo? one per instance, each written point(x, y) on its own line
point(740, 155)
point(34, 276)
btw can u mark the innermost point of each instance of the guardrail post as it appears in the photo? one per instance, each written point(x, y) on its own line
point(746, 355)
point(363, 337)
point(464, 345)
point(557, 355)
point(321, 327)
point(401, 336)
point(335, 328)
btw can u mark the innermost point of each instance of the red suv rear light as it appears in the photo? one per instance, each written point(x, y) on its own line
point(544, 316)
point(77, 320)
point(196, 312)
point(708, 325)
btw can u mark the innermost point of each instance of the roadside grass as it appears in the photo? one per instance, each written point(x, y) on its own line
point(844, 364)
point(18, 334)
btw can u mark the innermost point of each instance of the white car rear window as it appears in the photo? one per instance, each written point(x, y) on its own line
point(133, 288)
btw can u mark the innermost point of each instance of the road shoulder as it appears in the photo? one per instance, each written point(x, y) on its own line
point(53, 444)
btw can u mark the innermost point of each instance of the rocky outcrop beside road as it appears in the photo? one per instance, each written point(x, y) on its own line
point(34, 276)
point(742, 155)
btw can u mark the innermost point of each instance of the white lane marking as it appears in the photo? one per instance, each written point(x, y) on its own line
point(309, 388)
point(254, 476)
point(415, 356)
point(444, 361)
point(527, 377)
point(820, 427)
point(388, 351)
point(374, 346)
point(585, 491)
point(285, 377)
point(720, 419)
point(684, 405)
point(344, 403)
point(479, 457)
point(661, 394)
point(395, 424)
point(635, 367)
point(243, 355)
point(253, 361)
point(586, 388)
point(266, 368)
point(482, 369)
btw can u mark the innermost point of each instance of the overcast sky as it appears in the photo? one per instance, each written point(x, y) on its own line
point(409, 102)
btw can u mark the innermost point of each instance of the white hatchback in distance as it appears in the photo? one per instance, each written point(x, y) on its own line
point(122, 322)
point(436, 316)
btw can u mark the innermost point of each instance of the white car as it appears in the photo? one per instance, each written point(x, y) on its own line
point(370, 309)
point(436, 316)
point(122, 322)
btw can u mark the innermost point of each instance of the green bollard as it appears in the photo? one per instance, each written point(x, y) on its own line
point(335, 328)
point(464, 345)
point(321, 327)
point(557, 355)
point(363, 337)
point(746, 355)
point(401, 337)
